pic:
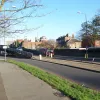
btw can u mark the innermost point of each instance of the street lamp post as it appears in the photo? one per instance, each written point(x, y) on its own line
point(86, 56)
point(85, 19)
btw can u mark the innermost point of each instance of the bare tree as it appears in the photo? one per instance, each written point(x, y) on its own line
point(52, 42)
point(16, 14)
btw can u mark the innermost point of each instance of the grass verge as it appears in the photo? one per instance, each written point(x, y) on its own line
point(70, 89)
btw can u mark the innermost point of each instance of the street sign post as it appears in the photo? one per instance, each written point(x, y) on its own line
point(5, 47)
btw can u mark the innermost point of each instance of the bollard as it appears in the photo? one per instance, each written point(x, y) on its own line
point(85, 55)
point(93, 59)
point(51, 55)
point(40, 56)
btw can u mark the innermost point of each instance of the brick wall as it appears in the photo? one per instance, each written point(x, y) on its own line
point(97, 43)
point(30, 45)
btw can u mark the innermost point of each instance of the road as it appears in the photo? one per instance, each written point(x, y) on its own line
point(88, 78)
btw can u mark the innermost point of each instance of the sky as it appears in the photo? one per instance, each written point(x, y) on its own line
point(60, 18)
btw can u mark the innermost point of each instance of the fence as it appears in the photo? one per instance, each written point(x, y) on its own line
point(92, 52)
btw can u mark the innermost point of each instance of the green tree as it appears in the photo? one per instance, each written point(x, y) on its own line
point(91, 31)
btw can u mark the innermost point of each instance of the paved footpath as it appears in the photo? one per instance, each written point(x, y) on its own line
point(17, 84)
point(82, 65)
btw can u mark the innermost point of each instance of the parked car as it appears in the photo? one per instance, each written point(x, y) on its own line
point(43, 51)
point(19, 48)
point(48, 52)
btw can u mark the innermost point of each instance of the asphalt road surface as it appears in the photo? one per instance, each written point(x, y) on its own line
point(83, 77)
point(88, 78)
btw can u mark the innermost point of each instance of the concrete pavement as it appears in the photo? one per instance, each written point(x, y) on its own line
point(17, 84)
point(2, 90)
point(95, 67)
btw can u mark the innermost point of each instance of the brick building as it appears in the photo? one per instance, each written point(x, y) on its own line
point(24, 43)
point(87, 43)
point(97, 43)
point(30, 45)
point(74, 43)
point(69, 41)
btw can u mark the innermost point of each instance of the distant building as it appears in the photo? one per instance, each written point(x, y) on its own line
point(68, 41)
point(9, 42)
point(24, 43)
point(36, 39)
point(87, 43)
point(43, 39)
point(63, 39)
point(19, 40)
point(30, 45)
point(74, 43)
point(97, 43)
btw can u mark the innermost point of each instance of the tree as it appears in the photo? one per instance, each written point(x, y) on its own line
point(62, 42)
point(52, 42)
point(44, 45)
point(16, 15)
point(90, 31)
point(16, 44)
point(96, 24)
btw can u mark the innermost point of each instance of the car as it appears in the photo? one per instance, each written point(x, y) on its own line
point(19, 48)
point(49, 52)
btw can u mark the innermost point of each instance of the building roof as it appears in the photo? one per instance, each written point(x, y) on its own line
point(20, 40)
point(73, 40)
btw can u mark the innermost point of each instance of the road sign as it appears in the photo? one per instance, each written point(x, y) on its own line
point(5, 47)
point(82, 48)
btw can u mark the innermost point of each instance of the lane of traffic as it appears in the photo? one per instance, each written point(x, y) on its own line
point(88, 78)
